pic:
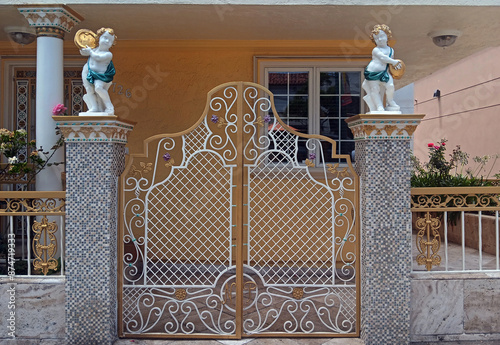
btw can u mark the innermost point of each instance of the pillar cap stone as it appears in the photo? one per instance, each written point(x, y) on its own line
point(384, 127)
point(85, 129)
point(53, 16)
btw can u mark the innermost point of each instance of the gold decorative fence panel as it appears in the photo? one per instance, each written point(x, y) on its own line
point(38, 248)
point(237, 227)
point(456, 229)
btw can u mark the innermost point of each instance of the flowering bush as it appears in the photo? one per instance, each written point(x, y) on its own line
point(12, 145)
point(442, 172)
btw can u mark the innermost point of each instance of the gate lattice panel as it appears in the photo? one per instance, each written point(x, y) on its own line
point(227, 232)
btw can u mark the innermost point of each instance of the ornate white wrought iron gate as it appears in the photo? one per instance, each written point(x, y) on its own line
point(238, 226)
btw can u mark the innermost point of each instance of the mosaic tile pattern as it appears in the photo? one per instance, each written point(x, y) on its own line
point(384, 170)
point(91, 231)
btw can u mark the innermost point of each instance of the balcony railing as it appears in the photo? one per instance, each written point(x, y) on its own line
point(32, 233)
point(456, 229)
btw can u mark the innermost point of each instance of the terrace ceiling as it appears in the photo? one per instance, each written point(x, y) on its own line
point(295, 20)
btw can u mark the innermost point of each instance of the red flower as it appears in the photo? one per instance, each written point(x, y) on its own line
point(430, 145)
point(443, 144)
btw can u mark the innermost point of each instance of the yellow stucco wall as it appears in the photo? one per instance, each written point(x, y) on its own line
point(169, 86)
point(169, 80)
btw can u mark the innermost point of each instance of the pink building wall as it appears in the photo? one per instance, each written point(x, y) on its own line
point(468, 111)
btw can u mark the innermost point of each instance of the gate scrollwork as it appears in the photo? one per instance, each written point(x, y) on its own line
point(239, 215)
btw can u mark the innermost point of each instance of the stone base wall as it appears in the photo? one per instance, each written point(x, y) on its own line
point(39, 311)
point(455, 308)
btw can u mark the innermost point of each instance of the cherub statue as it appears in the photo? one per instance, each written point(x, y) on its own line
point(98, 72)
point(378, 76)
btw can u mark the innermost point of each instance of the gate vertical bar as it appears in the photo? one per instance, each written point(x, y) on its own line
point(95, 158)
point(383, 166)
point(239, 196)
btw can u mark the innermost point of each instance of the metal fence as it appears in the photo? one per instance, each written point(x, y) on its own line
point(456, 229)
point(32, 233)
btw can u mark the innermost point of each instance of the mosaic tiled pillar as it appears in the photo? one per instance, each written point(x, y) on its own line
point(95, 158)
point(383, 166)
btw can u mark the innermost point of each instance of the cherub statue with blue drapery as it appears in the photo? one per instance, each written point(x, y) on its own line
point(380, 73)
point(98, 72)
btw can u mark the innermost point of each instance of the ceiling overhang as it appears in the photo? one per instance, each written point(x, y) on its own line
point(298, 21)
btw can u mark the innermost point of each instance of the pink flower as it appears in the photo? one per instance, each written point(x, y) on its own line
point(59, 109)
point(430, 145)
point(437, 147)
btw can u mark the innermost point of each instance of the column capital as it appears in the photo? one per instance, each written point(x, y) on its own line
point(91, 129)
point(383, 127)
point(50, 20)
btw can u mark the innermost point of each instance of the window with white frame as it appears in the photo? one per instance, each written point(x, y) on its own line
point(316, 97)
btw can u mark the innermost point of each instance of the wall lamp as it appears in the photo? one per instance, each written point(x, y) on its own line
point(21, 35)
point(444, 38)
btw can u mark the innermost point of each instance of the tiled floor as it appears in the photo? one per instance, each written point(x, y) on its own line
point(258, 341)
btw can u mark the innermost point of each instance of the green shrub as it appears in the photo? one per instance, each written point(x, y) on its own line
point(442, 172)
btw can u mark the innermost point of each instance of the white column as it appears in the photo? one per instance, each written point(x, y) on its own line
point(51, 22)
point(49, 92)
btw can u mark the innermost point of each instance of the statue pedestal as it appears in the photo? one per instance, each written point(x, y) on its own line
point(95, 158)
point(385, 112)
point(383, 165)
point(106, 129)
point(95, 113)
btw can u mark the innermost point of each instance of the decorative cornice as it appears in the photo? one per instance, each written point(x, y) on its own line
point(61, 17)
point(91, 129)
point(383, 127)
